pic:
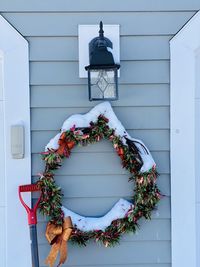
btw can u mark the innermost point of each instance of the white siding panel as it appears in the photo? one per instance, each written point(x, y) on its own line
point(197, 148)
point(197, 153)
point(1, 78)
point(198, 231)
point(2, 158)
point(3, 237)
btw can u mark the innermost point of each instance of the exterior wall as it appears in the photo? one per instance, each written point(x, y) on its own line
point(14, 110)
point(197, 145)
point(2, 170)
point(92, 179)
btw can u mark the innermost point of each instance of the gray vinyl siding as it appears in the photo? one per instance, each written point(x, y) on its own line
point(92, 179)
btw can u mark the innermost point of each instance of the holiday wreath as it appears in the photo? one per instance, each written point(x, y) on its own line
point(100, 123)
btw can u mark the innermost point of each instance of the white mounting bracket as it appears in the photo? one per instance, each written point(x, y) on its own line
point(86, 33)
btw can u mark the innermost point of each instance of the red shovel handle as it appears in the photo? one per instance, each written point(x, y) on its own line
point(31, 212)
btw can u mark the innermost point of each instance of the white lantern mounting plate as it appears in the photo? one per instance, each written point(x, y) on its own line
point(86, 33)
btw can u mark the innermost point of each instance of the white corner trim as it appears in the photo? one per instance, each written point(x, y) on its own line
point(186, 33)
point(14, 50)
point(182, 111)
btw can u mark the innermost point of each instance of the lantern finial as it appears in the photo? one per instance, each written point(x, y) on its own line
point(101, 31)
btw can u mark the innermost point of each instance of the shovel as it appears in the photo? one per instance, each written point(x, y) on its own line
point(32, 220)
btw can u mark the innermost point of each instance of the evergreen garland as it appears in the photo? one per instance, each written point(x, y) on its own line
point(146, 193)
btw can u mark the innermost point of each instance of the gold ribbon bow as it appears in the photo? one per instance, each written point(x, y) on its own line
point(58, 237)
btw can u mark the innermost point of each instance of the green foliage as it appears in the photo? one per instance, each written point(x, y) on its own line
point(146, 193)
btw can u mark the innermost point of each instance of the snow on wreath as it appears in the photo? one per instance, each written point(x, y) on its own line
point(99, 123)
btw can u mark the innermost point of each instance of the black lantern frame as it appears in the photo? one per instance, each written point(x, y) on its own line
point(102, 71)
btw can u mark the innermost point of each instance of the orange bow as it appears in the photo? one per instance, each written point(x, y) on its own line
point(120, 152)
point(64, 145)
point(58, 237)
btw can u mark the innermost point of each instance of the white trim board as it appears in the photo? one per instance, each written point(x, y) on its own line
point(16, 110)
point(184, 150)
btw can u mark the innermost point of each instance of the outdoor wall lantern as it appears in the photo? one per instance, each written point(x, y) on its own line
point(102, 71)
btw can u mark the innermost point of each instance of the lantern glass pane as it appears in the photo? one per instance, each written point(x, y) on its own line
point(103, 84)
